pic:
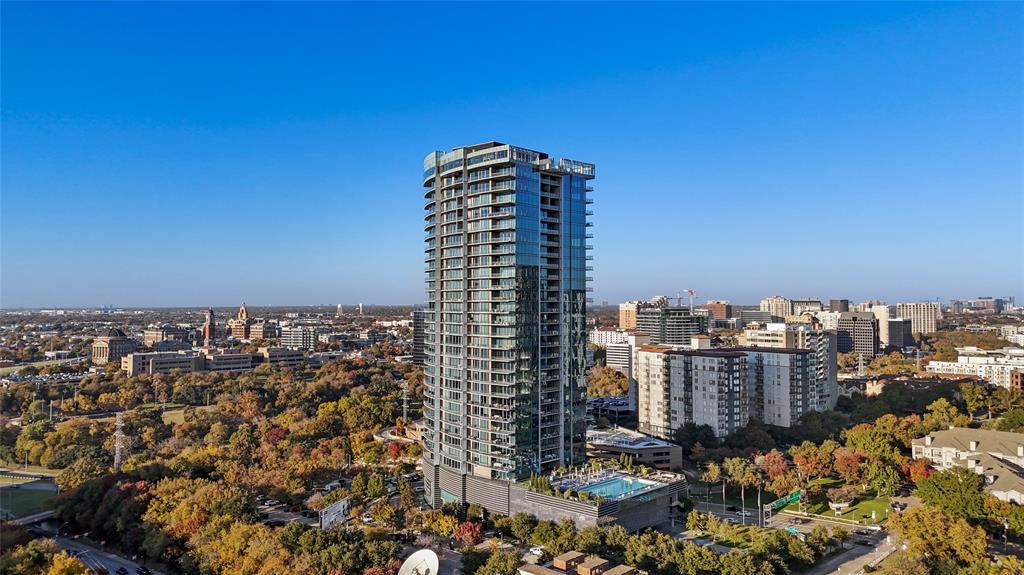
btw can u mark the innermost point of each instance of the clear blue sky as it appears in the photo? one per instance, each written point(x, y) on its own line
point(195, 154)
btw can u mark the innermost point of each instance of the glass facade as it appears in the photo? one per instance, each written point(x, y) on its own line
point(505, 334)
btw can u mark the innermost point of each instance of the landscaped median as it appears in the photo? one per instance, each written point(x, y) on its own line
point(858, 507)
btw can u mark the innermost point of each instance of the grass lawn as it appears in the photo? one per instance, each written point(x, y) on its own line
point(37, 469)
point(22, 502)
point(10, 370)
point(860, 511)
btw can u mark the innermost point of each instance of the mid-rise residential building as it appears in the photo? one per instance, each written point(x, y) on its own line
point(671, 325)
point(857, 332)
point(829, 319)
point(924, 317)
point(777, 306)
point(112, 346)
point(823, 392)
point(901, 333)
point(720, 310)
point(839, 305)
point(781, 384)
point(605, 336)
point(994, 366)
point(299, 337)
point(998, 456)
point(506, 279)
point(675, 386)
point(619, 356)
point(628, 311)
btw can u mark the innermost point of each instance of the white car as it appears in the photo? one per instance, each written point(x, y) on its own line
point(538, 551)
point(743, 513)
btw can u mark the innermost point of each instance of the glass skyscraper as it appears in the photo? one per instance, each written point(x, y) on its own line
point(505, 334)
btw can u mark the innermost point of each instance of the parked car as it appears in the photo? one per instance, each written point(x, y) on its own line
point(864, 542)
point(538, 551)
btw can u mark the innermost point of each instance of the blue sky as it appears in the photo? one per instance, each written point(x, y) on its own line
point(197, 154)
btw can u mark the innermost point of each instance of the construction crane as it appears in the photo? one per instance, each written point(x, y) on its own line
point(679, 298)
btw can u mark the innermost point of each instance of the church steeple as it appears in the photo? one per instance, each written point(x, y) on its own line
point(243, 314)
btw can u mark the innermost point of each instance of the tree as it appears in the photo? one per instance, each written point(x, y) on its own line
point(473, 560)
point(812, 460)
point(918, 469)
point(848, 463)
point(975, 396)
point(956, 490)
point(500, 562)
point(64, 564)
point(712, 475)
point(844, 494)
point(1007, 398)
point(841, 535)
point(946, 542)
point(522, 526)
point(741, 472)
point(903, 563)
point(82, 470)
point(774, 464)
point(690, 434)
point(469, 533)
point(606, 382)
point(883, 478)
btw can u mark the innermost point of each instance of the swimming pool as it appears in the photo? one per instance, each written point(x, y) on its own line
point(617, 487)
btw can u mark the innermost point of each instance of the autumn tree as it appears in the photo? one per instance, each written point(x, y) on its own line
point(945, 543)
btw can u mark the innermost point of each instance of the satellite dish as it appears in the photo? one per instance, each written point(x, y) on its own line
point(422, 562)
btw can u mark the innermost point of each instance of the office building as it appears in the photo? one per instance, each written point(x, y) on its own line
point(166, 332)
point(829, 319)
point(901, 333)
point(671, 325)
point(419, 343)
point(112, 346)
point(240, 325)
point(994, 366)
point(758, 316)
point(777, 306)
point(299, 337)
point(806, 306)
point(153, 362)
point(881, 313)
point(857, 332)
point(282, 356)
point(506, 279)
point(263, 330)
point(720, 310)
point(924, 317)
point(839, 305)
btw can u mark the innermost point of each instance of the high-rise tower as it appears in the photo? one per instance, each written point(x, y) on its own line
point(505, 323)
point(209, 329)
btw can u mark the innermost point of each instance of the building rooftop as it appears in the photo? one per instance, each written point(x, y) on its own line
point(621, 437)
point(988, 440)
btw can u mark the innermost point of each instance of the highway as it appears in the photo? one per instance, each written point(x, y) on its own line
point(94, 558)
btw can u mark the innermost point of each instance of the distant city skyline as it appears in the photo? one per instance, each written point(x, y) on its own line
point(204, 154)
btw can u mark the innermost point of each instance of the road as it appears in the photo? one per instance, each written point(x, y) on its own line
point(94, 558)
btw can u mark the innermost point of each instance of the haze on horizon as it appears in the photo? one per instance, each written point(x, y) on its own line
point(205, 154)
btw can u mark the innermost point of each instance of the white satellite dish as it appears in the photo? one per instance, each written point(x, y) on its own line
point(422, 562)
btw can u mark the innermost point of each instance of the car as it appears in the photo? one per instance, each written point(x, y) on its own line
point(799, 520)
point(732, 508)
point(861, 532)
point(142, 570)
point(367, 518)
point(538, 551)
point(744, 513)
point(731, 520)
point(121, 571)
point(864, 542)
point(273, 502)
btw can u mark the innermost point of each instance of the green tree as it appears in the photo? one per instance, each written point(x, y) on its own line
point(883, 478)
point(606, 382)
point(500, 562)
point(522, 526)
point(956, 490)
